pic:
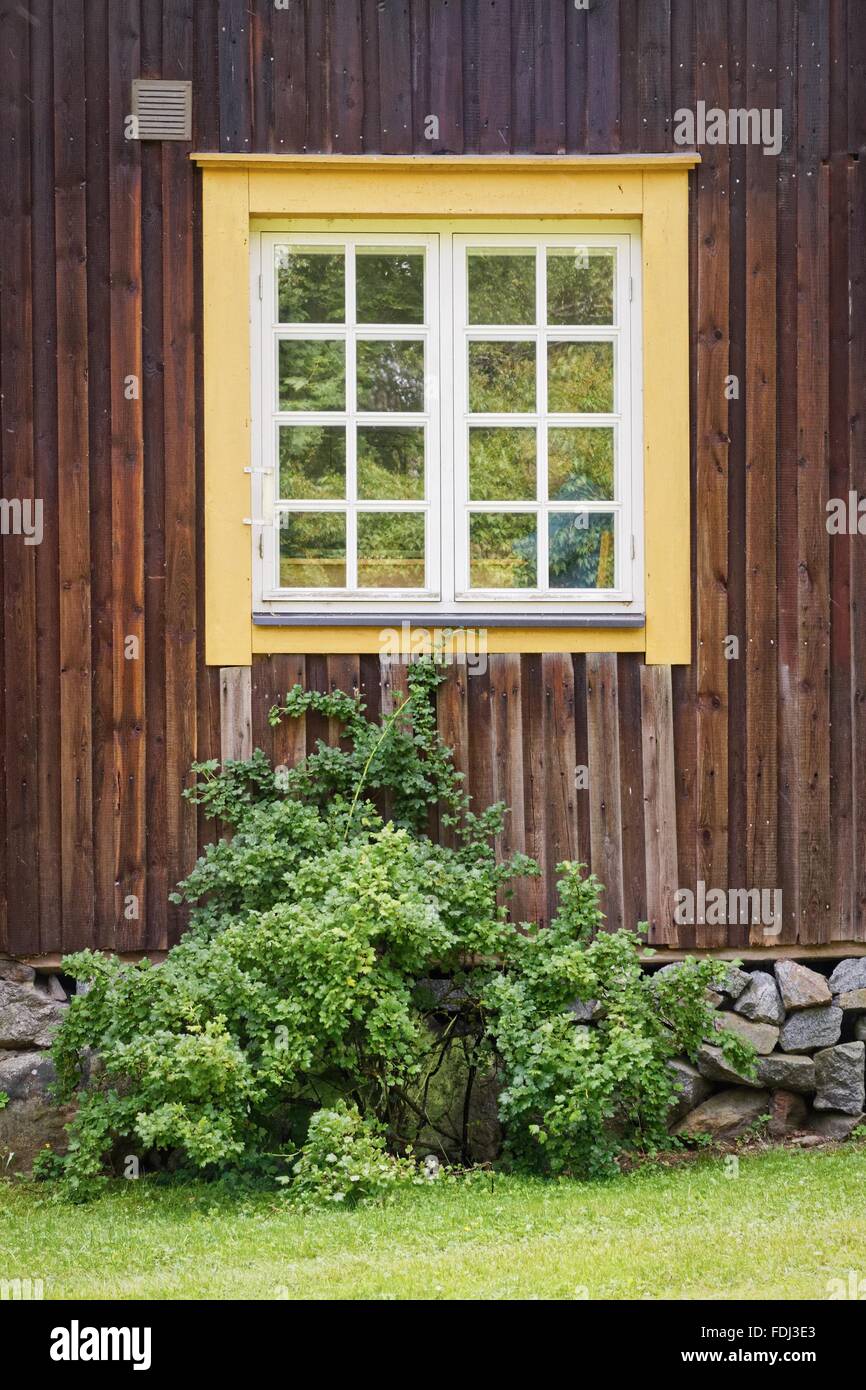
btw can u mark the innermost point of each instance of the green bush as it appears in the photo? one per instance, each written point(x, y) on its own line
point(344, 1159)
point(340, 961)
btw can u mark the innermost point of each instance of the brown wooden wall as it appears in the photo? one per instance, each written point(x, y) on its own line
point(747, 772)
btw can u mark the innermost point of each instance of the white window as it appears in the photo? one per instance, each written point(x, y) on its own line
point(447, 426)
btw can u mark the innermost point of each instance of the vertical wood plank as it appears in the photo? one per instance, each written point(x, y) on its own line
point(550, 131)
point(127, 485)
point(662, 873)
point(290, 735)
point(737, 933)
point(557, 785)
point(815, 856)
point(761, 541)
point(395, 78)
point(152, 932)
point(236, 715)
point(712, 477)
point(602, 81)
point(180, 427)
point(507, 751)
point(787, 468)
point(235, 100)
point(346, 79)
point(842, 787)
point(605, 807)
point(494, 78)
point(16, 420)
point(76, 726)
point(856, 185)
point(452, 721)
point(288, 46)
point(344, 673)
point(45, 479)
point(631, 791)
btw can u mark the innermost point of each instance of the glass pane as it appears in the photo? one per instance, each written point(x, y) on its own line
point(579, 284)
point(312, 461)
point(501, 286)
point(580, 465)
point(391, 550)
point(389, 286)
point(580, 377)
point(501, 377)
point(581, 550)
point(390, 376)
point(390, 463)
point(311, 285)
point(502, 465)
point(312, 374)
point(313, 550)
point(502, 550)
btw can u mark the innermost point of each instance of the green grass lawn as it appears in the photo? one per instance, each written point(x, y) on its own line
point(784, 1225)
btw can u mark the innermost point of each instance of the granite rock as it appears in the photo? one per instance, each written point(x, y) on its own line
point(761, 1001)
point(809, 1029)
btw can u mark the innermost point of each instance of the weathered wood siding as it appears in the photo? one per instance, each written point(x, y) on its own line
point(747, 772)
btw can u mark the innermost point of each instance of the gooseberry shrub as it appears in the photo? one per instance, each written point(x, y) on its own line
point(338, 962)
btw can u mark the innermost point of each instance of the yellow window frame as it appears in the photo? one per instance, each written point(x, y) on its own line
point(244, 190)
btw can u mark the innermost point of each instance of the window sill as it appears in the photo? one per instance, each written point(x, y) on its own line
point(450, 620)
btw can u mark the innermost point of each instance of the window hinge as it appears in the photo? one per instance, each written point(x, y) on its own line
point(260, 287)
point(630, 288)
point(632, 548)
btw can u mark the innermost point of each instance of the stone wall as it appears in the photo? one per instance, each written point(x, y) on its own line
point(809, 1030)
point(31, 1007)
point(807, 1025)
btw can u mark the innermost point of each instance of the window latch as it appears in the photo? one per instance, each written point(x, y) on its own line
point(267, 471)
point(255, 521)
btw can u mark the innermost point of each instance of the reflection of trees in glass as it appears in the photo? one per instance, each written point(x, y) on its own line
point(389, 286)
point(312, 461)
point(580, 464)
point(390, 375)
point(313, 550)
point(581, 550)
point(390, 463)
point(502, 550)
point(501, 377)
point(502, 465)
point(579, 377)
point(579, 285)
point(391, 550)
point(312, 374)
point(501, 286)
point(311, 286)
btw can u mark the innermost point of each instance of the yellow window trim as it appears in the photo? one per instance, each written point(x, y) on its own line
point(239, 188)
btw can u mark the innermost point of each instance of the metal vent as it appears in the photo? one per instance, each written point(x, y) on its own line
point(163, 109)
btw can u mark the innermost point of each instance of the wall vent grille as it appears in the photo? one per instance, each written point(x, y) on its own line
point(163, 109)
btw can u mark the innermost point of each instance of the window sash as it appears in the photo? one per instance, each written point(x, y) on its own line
point(447, 506)
point(350, 332)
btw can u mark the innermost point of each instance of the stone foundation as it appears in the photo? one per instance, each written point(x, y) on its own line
point(31, 1007)
point(807, 1025)
point(809, 1030)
